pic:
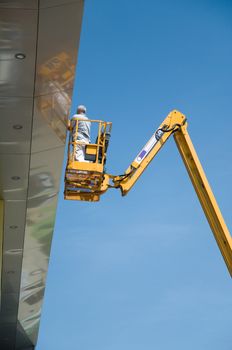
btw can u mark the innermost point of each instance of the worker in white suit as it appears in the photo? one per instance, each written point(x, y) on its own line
point(83, 133)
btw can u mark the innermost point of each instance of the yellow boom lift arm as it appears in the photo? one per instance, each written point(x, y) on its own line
point(175, 124)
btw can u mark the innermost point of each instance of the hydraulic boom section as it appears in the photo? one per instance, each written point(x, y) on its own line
point(170, 125)
point(83, 187)
point(176, 124)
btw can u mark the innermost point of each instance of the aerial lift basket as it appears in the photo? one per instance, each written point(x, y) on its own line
point(83, 180)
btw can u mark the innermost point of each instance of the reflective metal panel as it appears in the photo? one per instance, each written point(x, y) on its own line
point(30, 311)
point(45, 173)
point(1, 234)
point(18, 36)
point(57, 47)
point(9, 308)
point(14, 225)
point(16, 118)
point(22, 341)
point(13, 176)
point(25, 4)
point(50, 120)
point(10, 281)
point(39, 229)
point(7, 336)
point(31, 158)
point(51, 3)
point(12, 259)
point(14, 222)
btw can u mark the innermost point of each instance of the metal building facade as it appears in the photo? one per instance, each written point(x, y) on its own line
point(38, 54)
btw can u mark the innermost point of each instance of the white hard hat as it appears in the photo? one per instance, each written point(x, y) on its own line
point(81, 108)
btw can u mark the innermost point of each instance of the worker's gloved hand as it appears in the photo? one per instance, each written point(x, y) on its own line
point(69, 125)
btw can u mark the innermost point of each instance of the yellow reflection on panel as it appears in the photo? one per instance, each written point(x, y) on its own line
point(57, 77)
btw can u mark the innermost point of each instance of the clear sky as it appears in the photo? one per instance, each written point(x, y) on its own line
point(144, 271)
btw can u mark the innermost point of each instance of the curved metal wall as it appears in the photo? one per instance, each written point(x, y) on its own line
point(37, 63)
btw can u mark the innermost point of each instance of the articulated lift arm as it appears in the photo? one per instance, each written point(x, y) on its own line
point(88, 180)
point(176, 124)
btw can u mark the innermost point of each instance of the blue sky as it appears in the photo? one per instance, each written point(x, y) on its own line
point(144, 271)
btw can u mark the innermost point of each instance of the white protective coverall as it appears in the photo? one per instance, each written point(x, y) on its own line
point(83, 136)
